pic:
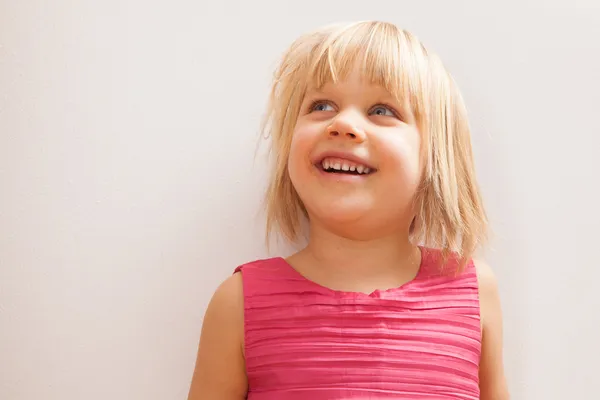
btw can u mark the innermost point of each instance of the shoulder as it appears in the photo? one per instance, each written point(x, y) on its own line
point(228, 298)
point(220, 371)
point(488, 289)
point(486, 277)
point(225, 311)
point(230, 287)
point(492, 380)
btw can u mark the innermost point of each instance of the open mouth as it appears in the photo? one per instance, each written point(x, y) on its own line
point(340, 166)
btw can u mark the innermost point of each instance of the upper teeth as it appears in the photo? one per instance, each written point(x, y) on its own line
point(343, 165)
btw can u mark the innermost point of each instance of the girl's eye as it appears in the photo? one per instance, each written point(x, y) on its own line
point(383, 111)
point(321, 106)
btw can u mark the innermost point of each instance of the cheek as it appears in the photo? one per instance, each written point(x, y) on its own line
point(299, 157)
point(402, 154)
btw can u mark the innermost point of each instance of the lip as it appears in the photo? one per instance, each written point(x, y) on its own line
point(345, 156)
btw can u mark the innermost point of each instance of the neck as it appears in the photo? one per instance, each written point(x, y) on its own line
point(382, 253)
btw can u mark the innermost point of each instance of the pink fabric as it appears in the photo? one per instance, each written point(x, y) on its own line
point(305, 341)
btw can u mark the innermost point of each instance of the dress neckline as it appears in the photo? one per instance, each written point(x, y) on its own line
point(343, 293)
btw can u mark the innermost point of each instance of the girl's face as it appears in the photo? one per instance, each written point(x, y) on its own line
point(354, 157)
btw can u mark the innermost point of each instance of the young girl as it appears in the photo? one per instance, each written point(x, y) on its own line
point(372, 147)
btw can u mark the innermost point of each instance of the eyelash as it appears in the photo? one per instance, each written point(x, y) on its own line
point(315, 103)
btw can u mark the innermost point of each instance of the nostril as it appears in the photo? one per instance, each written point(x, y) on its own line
point(348, 134)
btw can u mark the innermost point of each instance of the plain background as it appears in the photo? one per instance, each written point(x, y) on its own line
point(129, 186)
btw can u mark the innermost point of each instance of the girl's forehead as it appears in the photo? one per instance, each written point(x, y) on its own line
point(370, 74)
point(354, 83)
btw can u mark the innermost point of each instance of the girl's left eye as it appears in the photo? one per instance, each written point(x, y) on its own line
point(321, 106)
point(383, 111)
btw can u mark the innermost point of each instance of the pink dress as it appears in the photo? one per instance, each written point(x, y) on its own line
point(304, 341)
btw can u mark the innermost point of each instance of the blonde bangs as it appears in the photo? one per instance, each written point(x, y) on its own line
point(387, 57)
point(449, 211)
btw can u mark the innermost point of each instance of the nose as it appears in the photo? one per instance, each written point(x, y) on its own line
point(344, 127)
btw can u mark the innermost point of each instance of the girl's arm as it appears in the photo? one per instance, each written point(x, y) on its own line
point(492, 381)
point(220, 369)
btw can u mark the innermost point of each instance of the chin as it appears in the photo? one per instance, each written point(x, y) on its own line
point(342, 212)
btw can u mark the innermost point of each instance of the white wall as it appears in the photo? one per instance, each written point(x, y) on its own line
point(128, 187)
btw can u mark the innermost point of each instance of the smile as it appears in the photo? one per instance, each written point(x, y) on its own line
point(336, 165)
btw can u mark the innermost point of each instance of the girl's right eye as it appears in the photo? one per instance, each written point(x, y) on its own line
point(321, 106)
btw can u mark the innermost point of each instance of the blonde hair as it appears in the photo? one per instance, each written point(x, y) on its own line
point(449, 212)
